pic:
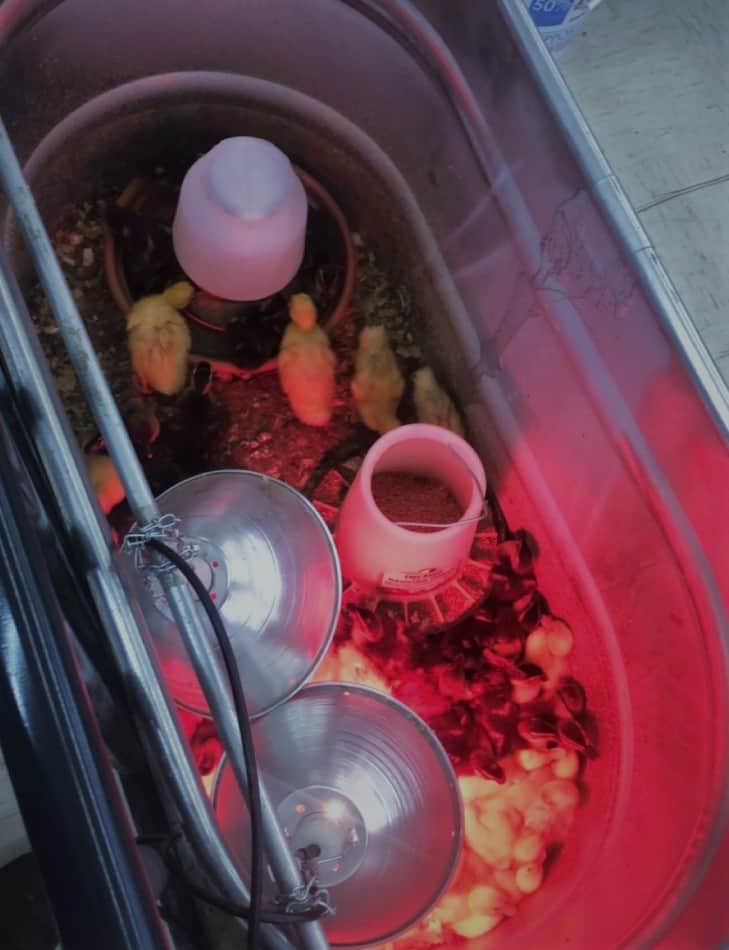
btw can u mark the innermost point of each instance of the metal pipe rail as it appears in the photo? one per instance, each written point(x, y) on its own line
point(49, 730)
point(133, 651)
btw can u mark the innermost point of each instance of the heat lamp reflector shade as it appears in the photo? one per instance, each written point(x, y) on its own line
point(393, 786)
point(269, 563)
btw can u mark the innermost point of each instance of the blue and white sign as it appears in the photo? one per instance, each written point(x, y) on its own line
point(559, 21)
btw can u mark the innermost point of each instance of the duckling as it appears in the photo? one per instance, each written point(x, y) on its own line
point(378, 384)
point(145, 243)
point(253, 334)
point(105, 481)
point(196, 424)
point(194, 403)
point(306, 364)
point(432, 404)
point(142, 425)
point(159, 339)
point(143, 428)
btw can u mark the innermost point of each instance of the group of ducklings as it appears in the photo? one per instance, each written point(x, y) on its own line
point(306, 365)
point(511, 827)
point(159, 344)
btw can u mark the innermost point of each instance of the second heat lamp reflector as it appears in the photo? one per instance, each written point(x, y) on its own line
point(366, 794)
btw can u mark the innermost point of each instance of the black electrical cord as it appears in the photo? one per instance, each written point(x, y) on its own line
point(244, 724)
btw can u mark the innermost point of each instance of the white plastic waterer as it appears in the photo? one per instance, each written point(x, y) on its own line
point(375, 552)
point(240, 224)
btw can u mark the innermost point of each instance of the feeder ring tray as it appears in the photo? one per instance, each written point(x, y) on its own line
point(424, 612)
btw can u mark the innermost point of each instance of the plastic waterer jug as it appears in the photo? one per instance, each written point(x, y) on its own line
point(601, 421)
point(240, 224)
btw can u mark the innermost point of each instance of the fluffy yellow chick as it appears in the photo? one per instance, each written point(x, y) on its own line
point(306, 364)
point(378, 384)
point(432, 404)
point(105, 480)
point(159, 339)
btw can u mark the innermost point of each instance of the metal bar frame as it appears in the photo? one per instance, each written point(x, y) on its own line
point(49, 730)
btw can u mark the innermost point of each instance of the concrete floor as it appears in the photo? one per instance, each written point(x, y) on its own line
point(13, 840)
point(652, 78)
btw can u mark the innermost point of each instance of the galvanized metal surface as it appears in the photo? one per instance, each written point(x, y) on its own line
point(651, 79)
point(585, 390)
point(17, 15)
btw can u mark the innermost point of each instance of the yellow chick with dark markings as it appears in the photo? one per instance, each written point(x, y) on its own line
point(432, 404)
point(378, 384)
point(105, 481)
point(159, 339)
point(306, 364)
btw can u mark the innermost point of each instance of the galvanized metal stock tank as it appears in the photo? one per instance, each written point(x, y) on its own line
point(600, 419)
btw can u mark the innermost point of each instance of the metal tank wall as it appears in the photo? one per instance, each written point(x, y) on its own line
point(598, 419)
